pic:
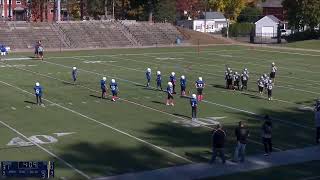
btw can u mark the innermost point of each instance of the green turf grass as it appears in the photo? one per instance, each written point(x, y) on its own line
point(100, 151)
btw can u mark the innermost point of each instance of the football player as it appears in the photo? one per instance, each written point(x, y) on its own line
point(74, 74)
point(183, 84)
point(266, 82)
point(148, 76)
point(200, 85)
point(274, 69)
point(41, 52)
point(194, 105)
point(159, 80)
point(261, 85)
point(229, 78)
point(245, 70)
point(236, 81)
point(114, 89)
point(103, 87)
point(173, 81)
point(38, 92)
point(170, 94)
point(244, 80)
point(269, 88)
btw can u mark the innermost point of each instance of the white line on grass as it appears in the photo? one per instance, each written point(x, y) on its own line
point(236, 109)
point(46, 150)
point(147, 107)
point(133, 69)
point(103, 124)
point(284, 52)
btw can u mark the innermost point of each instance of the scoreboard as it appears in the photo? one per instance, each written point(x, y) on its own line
point(24, 169)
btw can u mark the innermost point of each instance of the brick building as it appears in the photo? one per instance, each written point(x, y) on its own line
point(273, 7)
point(23, 10)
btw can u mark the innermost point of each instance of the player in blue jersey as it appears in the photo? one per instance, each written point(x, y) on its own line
point(38, 92)
point(194, 105)
point(170, 94)
point(173, 81)
point(183, 84)
point(114, 89)
point(103, 87)
point(159, 80)
point(148, 76)
point(200, 85)
point(74, 74)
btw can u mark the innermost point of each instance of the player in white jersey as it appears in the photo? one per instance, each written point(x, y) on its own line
point(274, 69)
point(236, 81)
point(261, 85)
point(244, 80)
point(269, 89)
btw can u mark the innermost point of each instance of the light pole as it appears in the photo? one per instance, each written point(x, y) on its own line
point(113, 9)
point(205, 16)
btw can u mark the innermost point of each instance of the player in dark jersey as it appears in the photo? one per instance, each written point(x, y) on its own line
point(74, 74)
point(148, 76)
point(269, 89)
point(244, 80)
point(103, 87)
point(173, 81)
point(170, 94)
point(194, 106)
point(38, 93)
point(159, 80)
point(183, 85)
point(229, 80)
point(114, 89)
point(236, 81)
point(200, 86)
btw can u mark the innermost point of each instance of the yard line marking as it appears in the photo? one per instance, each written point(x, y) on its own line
point(133, 69)
point(47, 151)
point(283, 52)
point(283, 121)
point(147, 107)
point(253, 113)
point(103, 124)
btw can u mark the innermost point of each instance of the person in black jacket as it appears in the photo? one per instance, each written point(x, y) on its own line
point(218, 140)
point(267, 135)
point(242, 133)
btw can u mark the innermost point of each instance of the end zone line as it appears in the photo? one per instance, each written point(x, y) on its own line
point(47, 151)
point(103, 124)
point(147, 107)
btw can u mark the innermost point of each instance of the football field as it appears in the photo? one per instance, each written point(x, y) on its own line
point(89, 137)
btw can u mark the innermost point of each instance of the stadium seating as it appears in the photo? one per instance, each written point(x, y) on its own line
point(87, 34)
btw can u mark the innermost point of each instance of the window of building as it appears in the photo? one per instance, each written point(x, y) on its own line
point(51, 11)
point(18, 2)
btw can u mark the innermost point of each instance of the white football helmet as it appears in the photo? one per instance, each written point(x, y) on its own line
point(173, 73)
point(113, 81)
point(37, 84)
point(245, 69)
point(194, 96)
point(74, 68)
point(273, 64)
point(149, 70)
point(104, 78)
point(270, 81)
point(158, 72)
point(182, 77)
point(236, 73)
point(200, 78)
point(170, 84)
point(261, 77)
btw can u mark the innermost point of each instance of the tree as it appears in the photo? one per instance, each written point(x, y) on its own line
point(303, 13)
point(249, 14)
point(218, 5)
point(193, 8)
point(233, 8)
point(165, 11)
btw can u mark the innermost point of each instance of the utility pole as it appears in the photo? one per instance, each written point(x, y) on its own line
point(112, 9)
point(205, 16)
point(58, 10)
point(10, 9)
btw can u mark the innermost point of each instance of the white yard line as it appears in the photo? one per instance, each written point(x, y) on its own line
point(46, 150)
point(286, 52)
point(147, 107)
point(104, 124)
point(283, 121)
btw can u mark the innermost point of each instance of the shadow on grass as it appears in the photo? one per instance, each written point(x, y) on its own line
point(30, 102)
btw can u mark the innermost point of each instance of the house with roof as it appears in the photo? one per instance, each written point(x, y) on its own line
point(273, 7)
point(267, 26)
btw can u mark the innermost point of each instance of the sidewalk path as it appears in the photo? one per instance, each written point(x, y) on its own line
point(203, 170)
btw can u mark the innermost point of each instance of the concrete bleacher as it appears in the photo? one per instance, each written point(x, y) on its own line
point(87, 34)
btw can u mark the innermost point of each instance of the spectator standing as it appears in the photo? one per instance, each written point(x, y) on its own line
point(267, 135)
point(242, 134)
point(218, 141)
